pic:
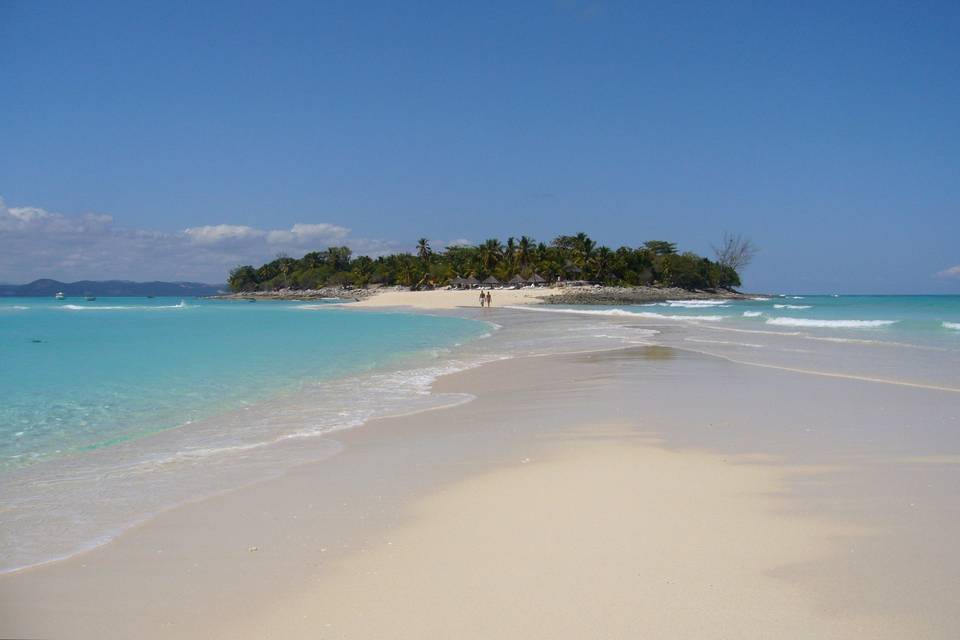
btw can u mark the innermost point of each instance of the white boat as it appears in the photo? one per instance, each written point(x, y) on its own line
point(60, 296)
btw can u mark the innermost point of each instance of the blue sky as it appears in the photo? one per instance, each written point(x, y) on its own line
point(173, 140)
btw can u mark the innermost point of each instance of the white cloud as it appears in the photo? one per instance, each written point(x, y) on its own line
point(218, 233)
point(300, 234)
point(952, 272)
point(35, 243)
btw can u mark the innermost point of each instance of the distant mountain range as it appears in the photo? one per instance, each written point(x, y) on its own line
point(47, 287)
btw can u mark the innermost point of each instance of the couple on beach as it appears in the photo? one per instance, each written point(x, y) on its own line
point(486, 299)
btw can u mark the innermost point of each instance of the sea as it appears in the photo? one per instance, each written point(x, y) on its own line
point(118, 408)
point(907, 340)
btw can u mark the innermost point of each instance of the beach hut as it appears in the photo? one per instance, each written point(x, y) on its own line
point(518, 280)
point(471, 282)
point(492, 282)
point(537, 279)
point(457, 282)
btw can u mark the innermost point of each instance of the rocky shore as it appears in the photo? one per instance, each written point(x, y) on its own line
point(635, 295)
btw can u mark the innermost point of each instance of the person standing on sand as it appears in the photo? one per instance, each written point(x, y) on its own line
point(482, 299)
point(489, 299)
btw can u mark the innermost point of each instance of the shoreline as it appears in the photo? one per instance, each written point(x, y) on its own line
point(287, 545)
point(441, 298)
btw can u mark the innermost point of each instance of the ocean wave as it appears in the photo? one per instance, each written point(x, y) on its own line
point(77, 307)
point(952, 325)
point(830, 324)
point(694, 304)
point(752, 314)
point(792, 306)
point(618, 313)
point(315, 307)
point(760, 299)
point(726, 342)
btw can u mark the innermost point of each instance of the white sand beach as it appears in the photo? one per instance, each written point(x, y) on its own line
point(575, 496)
point(454, 298)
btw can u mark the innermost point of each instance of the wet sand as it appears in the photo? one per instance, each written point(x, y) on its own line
point(645, 491)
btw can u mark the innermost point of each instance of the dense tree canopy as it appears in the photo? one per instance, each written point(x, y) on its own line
point(577, 257)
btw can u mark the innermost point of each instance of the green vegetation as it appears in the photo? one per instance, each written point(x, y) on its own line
point(578, 257)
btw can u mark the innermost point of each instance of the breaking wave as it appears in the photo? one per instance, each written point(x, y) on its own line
point(617, 313)
point(830, 324)
point(76, 307)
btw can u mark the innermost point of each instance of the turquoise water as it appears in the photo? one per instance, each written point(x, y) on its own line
point(930, 319)
point(911, 340)
point(78, 376)
point(116, 409)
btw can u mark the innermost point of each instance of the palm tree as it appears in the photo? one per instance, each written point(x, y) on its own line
point(510, 253)
point(406, 275)
point(490, 253)
point(423, 250)
point(584, 247)
point(524, 251)
point(602, 260)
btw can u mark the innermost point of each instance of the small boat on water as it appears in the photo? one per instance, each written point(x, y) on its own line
point(90, 298)
point(60, 296)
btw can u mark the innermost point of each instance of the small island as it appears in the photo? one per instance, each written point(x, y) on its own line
point(586, 271)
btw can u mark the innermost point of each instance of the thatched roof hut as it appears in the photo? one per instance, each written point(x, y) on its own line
point(457, 282)
point(471, 282)
point(518, 279)
point(491, 281)
point(536, 278)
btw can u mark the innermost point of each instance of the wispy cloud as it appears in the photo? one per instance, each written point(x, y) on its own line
point(38, 243)
point(952, 272)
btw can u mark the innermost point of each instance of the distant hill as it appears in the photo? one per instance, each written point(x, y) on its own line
point(46, 287)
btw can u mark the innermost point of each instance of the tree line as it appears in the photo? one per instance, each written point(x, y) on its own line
point(576, 257)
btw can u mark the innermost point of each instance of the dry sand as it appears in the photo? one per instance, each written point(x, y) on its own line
point(598, 540)
point(453, 298)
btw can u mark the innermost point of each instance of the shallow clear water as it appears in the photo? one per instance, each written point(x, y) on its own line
point(931, 319)
point(78, 375)
point(116, 409)
point(902, 339)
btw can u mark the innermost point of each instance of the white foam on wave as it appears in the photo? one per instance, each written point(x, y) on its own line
point(726, 342)
point(952, 325)
point(617, 313)
point(752, 314)
point(760, 299)
point(792, 306)
point(76, 307)
point(694, 304)
point(830, 324)
point(315, 307)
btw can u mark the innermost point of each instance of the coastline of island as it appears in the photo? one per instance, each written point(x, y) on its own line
point(563, 295)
